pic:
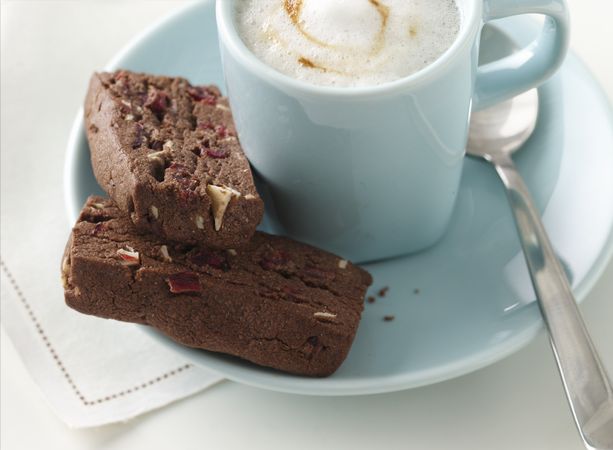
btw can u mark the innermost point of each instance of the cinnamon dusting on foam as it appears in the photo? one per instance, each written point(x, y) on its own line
point(293, 8)
point(384, 12)
point(305, 62)
point(413, 30)
point(310, 64)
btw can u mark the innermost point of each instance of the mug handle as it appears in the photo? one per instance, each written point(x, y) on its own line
point(529, 67)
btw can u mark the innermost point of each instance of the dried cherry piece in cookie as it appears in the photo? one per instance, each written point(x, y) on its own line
point(157, 101)
point(184, 282)
point(202, 94)
point(181, 175)
point(210, 258)
point(278, 261)
point(217, 153)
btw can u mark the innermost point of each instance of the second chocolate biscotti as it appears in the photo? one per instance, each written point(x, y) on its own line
point(167, 154)
point(275, 302)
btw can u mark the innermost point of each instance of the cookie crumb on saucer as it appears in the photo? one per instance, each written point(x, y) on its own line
point(383, 291)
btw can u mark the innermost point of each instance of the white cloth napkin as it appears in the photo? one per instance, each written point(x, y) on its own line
point(92, 371)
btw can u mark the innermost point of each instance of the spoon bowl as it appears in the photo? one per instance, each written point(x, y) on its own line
point(502, 129)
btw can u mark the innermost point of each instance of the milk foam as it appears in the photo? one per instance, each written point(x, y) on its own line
point(348, 42)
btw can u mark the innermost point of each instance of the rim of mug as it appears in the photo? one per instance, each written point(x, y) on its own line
point(229, 36)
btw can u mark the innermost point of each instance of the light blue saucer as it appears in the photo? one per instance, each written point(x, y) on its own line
point(468, 301)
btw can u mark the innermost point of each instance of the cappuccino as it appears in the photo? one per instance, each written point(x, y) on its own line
point(348, 42)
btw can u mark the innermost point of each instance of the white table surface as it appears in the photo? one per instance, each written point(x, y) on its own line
point(515, 404)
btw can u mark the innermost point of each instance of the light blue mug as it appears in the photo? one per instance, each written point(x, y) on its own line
point(373, 172)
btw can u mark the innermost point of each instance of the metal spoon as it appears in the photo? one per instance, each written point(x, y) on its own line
point(495, 133)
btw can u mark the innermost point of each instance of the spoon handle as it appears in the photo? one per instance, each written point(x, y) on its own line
point(587, 386)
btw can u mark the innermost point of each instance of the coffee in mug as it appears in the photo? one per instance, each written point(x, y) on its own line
point(348, 42)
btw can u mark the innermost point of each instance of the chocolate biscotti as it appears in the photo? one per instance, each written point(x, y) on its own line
point(167, 154)
point(274, 302)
